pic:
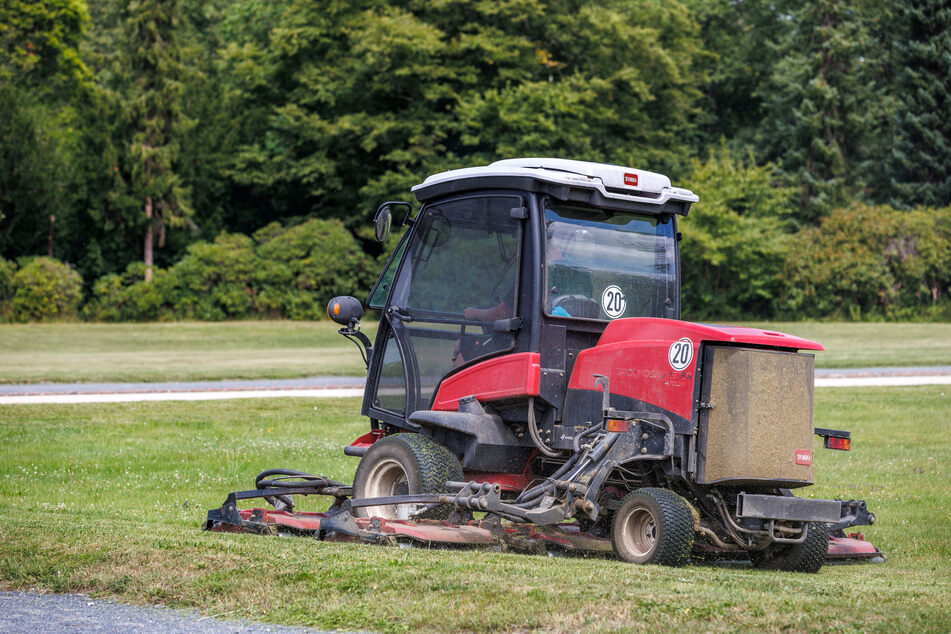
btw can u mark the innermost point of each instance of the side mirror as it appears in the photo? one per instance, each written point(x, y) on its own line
point(383, 222)
point(384, 217)
point(345, 311)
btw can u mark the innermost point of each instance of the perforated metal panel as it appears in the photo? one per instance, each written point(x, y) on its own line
point(760, 427)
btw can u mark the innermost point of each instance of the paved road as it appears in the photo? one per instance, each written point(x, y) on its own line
point(32, 612)
point(312, 387)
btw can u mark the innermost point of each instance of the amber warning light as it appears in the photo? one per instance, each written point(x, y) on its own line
point(835, 439)
point(838, 443)
point(619, 426)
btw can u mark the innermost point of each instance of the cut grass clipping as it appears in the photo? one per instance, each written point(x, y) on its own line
point(191, 351)
point(108, 500)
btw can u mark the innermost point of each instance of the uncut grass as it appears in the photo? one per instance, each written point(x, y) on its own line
point(179, 351)
point(189, 351)
point(858, 345)
point(107, 499)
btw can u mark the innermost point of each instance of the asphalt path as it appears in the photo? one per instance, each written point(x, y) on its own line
point(33, 612)
point(331, 387)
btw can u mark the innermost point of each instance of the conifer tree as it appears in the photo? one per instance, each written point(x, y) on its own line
point(825, 111)
point(153, 104)
point(921, 159)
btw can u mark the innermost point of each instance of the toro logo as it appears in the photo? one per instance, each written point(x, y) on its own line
point(630, 180)
point(804, 457)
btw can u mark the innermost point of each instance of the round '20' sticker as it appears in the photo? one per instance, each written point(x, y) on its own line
point(613, 302)
point(680, 353)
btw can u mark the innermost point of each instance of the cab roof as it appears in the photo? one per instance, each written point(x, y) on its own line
point(598, 184)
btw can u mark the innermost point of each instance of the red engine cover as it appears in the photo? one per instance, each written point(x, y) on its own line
point(654, 360)
point(507, 376)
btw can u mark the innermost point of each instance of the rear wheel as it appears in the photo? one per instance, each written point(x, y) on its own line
point(404, 464)
point(653, 526)
point(805, 557)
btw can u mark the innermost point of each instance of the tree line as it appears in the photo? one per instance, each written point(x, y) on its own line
point(135, 134)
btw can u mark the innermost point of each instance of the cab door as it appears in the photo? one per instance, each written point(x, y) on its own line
point(452, 302)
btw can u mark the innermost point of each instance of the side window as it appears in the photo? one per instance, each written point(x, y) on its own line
point(381, 289)
point(459, 276)
point(391, 388)
point(465, 257)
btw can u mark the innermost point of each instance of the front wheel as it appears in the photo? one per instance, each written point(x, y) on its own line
point(404, 464)
point(653, 526)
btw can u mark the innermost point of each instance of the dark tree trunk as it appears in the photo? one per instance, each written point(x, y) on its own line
point(149, 239)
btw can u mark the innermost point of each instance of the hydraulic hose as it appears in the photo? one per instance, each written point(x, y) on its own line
point(538, 490)
point(303, 479)
point(533, 432)
point(588, 432)
point(292, 479)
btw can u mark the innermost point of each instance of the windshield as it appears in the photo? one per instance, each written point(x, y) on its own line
point(602, 264)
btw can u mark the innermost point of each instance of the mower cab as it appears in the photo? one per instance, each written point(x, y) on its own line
point(530, 363)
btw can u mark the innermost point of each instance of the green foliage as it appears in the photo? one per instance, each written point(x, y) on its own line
point(365, 103)
point(39, 41)
point(611, 81)
point(826, 112)
point(213, 280)
point(735, 240)
point(7, 269)
point(868, 262)
point(281, 273)
point(302, 267)
point(232, 114)
point(920, 170)
point(45, 289)
point(128, 297)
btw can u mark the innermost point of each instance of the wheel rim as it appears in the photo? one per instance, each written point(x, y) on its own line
point(388, 478)
point(639, 533)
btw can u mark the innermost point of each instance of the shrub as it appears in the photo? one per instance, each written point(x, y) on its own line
point(303, 267)
point(214, 280)
point(7, 269)
point(872, 262)
point(734, 240)
point(128, 297)
point(45, 289)
point(281, 273)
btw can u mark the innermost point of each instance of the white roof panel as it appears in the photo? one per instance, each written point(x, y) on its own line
point(613, 181)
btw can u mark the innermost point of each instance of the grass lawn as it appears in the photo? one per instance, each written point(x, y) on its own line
point(108, 499)
point(191, 351)
point(180, 351)
point(861, 345)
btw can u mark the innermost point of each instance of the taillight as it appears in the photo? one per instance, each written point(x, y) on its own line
point(832, 442)
point(619, 426)
point(835, 438)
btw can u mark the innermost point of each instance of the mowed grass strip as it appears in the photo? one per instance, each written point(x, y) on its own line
point(181, 351)
point(108, 499)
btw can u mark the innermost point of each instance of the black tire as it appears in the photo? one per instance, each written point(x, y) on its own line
point(653, 526)
point(809, 556)
point(404, 464)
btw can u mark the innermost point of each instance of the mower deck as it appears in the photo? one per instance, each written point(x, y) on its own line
point(343, 527)
point(338, 524)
